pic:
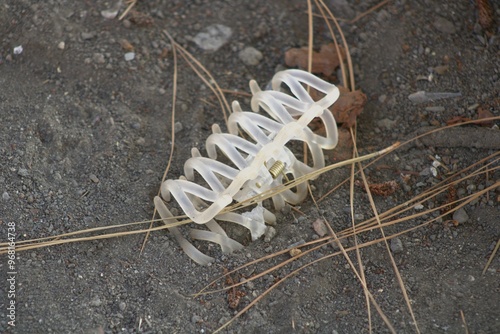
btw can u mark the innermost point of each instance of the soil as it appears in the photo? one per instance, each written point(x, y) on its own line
point(86, 137)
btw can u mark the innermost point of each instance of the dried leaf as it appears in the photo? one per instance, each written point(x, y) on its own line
point(485, 113)
point(324, 62)
point(343, 150)
point(451, 197)
point(486, 15)
point(126, 45)
point(140, 19)
point(381, 189)
point(348, 107)
point(457, 119)
point(441, 69)
point(233, 295)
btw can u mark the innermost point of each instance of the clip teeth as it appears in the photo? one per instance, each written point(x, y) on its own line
point(249, 173)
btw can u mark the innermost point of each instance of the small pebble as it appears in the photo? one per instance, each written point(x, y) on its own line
point(111, 12)
point(248, 284)
point(443, 25)
point(5, 196)
point(418, 207)
point(298, 243)
point(269, 234)
point(96, 302)
point(250, 56)
point(213, 37)
point(98, 58)
point(129, 56)
point(396, 245)
point(386, 123)
point(196, 319)
point(435, 109)
point(94, 178)
point(23, 172)
point(61, 45)
point(359, 217)
point(178, 127)
point(88, 35)
point(460, 216)
point(18, 50)
point(122, 306)
point(301, 219)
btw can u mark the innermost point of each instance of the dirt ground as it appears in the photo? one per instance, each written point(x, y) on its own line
point(85, 138)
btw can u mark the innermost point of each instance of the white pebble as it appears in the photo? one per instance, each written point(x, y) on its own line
point(269, 234)
point(129, 56)
point(18, 50)
point(213, 37)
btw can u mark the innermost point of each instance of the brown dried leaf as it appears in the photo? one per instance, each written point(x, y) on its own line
point(126, 45)
point(140, 19)
point(381, 189)
point(486, 15)
point(325, 61)
point(343, 150)
point(348, 107)
point(233, 295)
point(457, 119)
point(485, 113)
point(451, 197)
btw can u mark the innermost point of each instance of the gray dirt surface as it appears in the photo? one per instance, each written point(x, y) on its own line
point(85, 138)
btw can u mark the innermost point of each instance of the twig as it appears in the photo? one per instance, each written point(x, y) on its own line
point(130, 6)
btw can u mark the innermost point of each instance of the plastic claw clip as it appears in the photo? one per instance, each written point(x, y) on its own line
point(257, 160)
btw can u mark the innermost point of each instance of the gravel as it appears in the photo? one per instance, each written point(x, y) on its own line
point(66, 115)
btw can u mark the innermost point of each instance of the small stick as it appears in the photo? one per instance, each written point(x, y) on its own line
point(464, 322)
point(130, 6)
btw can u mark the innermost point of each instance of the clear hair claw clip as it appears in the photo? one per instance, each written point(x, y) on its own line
point(256, 159)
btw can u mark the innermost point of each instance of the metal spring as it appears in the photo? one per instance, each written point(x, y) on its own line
point(276, 169)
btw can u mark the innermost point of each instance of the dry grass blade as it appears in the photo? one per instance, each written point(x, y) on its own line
point(324, 7)
point(204, 75)
point(358, 253)
point(464, 322)
point(372, 9)
point(408, 142)
point(393, 262)
point(360, 16)
point(360, 228)
point(56, 240)
point(361, 276)
point(492, 256)
point(172, 133)
point(131, 4)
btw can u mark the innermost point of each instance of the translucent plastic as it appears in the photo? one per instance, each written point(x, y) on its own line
point(259, 160)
